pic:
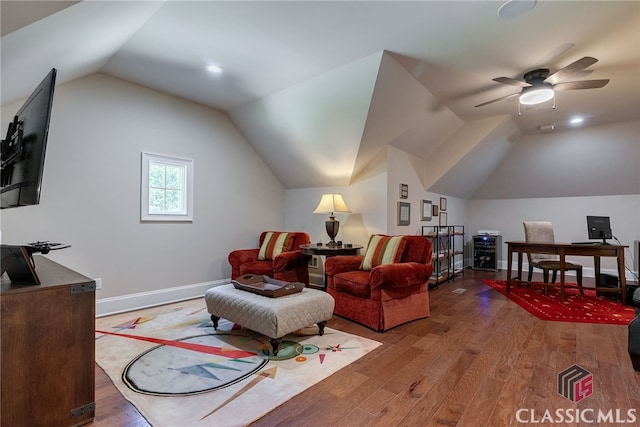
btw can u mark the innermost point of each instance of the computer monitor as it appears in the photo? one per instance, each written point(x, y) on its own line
point(599, 228)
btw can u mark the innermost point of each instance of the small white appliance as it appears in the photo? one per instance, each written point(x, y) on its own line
point(488, 232)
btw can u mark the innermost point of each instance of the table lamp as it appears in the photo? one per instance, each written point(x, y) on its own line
point(330, 203)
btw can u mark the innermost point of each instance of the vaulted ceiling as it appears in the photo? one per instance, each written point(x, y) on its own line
point(320, 88)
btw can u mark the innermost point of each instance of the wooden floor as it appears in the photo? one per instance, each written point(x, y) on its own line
point(476, 361)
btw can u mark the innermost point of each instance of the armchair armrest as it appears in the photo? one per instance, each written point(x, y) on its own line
point(242, 256)
point(399, 275)
point(289, 260)
point(341, 263)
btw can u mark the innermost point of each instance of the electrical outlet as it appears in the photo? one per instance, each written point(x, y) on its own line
point(98, 283)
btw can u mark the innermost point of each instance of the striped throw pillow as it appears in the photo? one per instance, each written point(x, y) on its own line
point(274, 243)
point(383, 250)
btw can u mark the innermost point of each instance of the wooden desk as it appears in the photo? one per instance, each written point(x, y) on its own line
point(564, 249)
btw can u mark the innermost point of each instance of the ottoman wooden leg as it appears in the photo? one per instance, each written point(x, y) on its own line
point(275, 344)
point(215, 321)
point(321, 326)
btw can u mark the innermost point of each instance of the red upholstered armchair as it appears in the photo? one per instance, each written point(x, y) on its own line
point(279, 257)
point(387, 295)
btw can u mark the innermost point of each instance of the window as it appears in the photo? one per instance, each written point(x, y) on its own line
point(167, 188)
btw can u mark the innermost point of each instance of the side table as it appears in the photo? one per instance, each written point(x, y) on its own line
point(329, 251)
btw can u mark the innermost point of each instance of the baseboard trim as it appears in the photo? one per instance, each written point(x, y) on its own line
point(121, 304)
point(586, 271)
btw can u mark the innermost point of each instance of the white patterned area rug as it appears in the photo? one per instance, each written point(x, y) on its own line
point(176, 369)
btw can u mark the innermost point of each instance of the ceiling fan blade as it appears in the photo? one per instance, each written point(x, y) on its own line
point(512, 82)
point(497, 99)
point(570, 69)
point(584, 84)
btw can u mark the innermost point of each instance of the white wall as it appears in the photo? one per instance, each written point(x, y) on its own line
point(311, 132)
point(405, 168)
point(568, 215)
point(91, 188)
point(373, 202)
point(366, 200)
point(591, 161)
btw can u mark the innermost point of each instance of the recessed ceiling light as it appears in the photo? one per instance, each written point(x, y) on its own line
point(213, 68)
point(514, 8)
point(576, 120)
point(548, 127)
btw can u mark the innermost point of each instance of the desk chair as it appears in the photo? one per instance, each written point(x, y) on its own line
point(542, 232)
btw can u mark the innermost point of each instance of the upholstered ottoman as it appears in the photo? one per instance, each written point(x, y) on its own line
point(272, 317)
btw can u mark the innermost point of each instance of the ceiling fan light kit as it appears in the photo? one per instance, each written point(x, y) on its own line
point(534, 95)
point(215, 69)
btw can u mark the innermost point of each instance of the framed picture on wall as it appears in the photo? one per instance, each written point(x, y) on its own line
point(443, 203)
point(404, 191)
point(425, 210)
point(404, 213)
point(443, 219)
point(434, 210)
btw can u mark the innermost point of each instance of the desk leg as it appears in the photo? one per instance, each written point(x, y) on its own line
point(519, 278)
point(621, 275)
point(509, 260)
point(596, 269)
point(562, 278)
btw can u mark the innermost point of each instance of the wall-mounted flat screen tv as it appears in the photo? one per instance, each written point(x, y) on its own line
point(23, 150)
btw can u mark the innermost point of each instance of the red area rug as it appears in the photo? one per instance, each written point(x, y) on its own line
point(587, 308)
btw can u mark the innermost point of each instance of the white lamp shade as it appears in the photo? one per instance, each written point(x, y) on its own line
point(536, 95)
point(330, 203)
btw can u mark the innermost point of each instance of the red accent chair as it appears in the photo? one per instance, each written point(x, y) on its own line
point(386, 296)
point(290, 266)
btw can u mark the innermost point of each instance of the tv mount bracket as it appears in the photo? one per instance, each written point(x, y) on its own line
point(12, 147)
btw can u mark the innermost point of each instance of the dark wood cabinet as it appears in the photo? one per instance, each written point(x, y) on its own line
point(47, 353)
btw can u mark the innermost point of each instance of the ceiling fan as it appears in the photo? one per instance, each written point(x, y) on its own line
point(538, 86)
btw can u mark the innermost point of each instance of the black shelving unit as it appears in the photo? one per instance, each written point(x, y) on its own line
point(487, 252)
point(447, 243)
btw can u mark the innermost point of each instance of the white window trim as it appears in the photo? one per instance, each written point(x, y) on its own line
point(145, 215)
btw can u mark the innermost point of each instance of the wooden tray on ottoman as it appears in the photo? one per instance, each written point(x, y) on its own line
point(266, 286)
